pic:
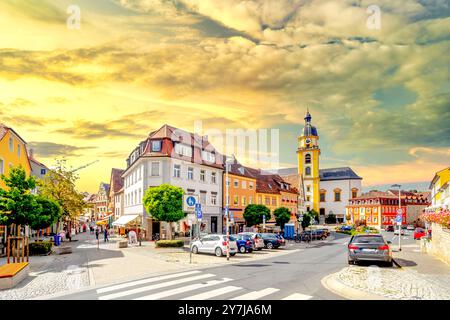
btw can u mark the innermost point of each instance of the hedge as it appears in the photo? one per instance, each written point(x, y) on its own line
point(169, 243)
point(38, 248)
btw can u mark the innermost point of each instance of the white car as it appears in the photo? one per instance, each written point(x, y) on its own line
point(214, 243)
point(402, 232)
point(257, 239)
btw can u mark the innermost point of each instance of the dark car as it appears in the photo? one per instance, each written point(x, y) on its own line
point(271, 241)
point(244, 243)
point(319, 234)
point(390, 228)
point(283, 242)
point(369, 247)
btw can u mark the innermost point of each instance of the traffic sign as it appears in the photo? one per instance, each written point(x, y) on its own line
point(399, 218)
point(198, 211)
point(189, 202)
point(399, 211)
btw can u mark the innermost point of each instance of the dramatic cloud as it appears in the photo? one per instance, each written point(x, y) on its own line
point(49, 149)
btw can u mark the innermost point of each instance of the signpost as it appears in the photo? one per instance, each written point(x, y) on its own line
point(264, 222)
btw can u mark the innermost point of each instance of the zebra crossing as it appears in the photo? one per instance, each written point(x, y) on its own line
point(191, 285)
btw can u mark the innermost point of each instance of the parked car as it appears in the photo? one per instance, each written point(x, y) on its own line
point(244, 243)
point(370, 247)
point(319, 234)
point(419, 233)
point(283, 242)
point(346, 228)
point(401, 232)
point(271, 241)
point(257, 240)
point(390, 228)
point(214, 243)
point(410, 227)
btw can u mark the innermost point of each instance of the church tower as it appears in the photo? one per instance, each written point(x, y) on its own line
point(308, 163)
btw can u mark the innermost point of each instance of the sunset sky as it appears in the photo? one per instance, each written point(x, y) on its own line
point(380, 98)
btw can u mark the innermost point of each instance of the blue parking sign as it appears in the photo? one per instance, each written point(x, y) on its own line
point(198, 210)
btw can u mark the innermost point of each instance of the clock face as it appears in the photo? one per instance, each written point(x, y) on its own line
point(308, 141)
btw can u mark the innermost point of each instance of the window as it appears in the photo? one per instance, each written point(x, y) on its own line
point(250, 200)
point(183, 150)
point(244, 184)
point(208, 156)
point(368, 219)
point(322, 197)
point(213, 177)
point(260, 200)
point(156, 146)
point(190, 174)
point(337, 195)
point(236, 200)
point(11, 144)
point(308, 188)
point(43, 171)
point(244, 201)
point(176, 170)
point(307, 171)
point(139, 197)
point(375, 219)
point(267, 199)
point(2, 166)
point(228, 182)
point(155, 169)
point(250, 185)
point(19, 150)
point(354, 193)
point(140, 173)
point(308, 158)
point(274, 201)
point(213, 199)
point(308, 198)
point(202, 175)
point(236, 183)
point(203, 197)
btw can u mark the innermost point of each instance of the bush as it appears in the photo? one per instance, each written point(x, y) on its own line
point(38, 248)
point(331, 218)
point(169, 243)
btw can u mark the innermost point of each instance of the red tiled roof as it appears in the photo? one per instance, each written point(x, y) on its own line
point(116, 179)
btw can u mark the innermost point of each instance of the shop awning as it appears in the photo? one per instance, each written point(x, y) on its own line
point(124, 220)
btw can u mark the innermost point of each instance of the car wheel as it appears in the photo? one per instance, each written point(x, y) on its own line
point(250, 250)
point(270, 245)
point(242, 249)
point(351, 262)
point(194, 249)
point(218, 252)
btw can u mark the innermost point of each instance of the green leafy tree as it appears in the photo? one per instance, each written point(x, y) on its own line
point(307, 219)
point(17, 205)
point(282, 216)
point(314, 214)
point(331, 218)
point(59, 185)
point(50, 213)
point(253, 214)
point(165, 203)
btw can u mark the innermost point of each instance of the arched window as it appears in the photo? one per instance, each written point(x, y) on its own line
point(307, 171)
point(337, 194)
point(308, 158)
point(354, 192)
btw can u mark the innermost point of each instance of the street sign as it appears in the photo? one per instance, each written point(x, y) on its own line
point(198, 211)
point(264, 221)
point(189, 202)
point(399, 218)
point(399, 211)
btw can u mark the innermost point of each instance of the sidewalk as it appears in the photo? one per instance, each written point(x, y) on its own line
point(421, 277)
point(89, 266)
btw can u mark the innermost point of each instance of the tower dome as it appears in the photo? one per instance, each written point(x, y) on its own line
point(309, 130)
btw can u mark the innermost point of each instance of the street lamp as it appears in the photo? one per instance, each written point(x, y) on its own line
point(399, 212)
point(227, 204)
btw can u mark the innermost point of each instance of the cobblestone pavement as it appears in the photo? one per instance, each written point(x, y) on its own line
point(395, 283)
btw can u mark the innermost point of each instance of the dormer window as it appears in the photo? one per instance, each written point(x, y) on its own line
point(183, 150)
point(208, 156)
point(156, 146)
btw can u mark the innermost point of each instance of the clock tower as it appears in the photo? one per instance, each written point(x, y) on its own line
point(308, 163)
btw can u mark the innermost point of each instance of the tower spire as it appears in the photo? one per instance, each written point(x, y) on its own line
point(307, 115)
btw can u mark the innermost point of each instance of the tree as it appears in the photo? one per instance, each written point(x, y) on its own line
point(17, 205)
point(50, 213)
point(253, 214)
point(331, 218)
point(165, 203)
point(307, 219)
point(282, 216)
point(59, 185)
point(314, 214)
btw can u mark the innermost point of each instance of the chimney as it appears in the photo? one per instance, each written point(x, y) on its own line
point(31, 153)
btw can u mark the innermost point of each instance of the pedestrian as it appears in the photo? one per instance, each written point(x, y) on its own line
point(106, 234)
point(96, 233)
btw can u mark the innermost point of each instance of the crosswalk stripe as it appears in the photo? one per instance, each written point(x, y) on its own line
point(212, 293)
point(256, 294)
point(144, 281)
point(168, 293)
point(154, 286)
point(297, 296)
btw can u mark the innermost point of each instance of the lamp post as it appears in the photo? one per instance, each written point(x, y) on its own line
point(399, 212)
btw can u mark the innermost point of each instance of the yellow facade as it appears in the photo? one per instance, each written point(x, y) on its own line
point(13, 152)
point(440, 179)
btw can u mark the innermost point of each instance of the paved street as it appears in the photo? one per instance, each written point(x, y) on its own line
point(293, 276)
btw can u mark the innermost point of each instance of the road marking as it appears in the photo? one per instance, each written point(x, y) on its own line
point(164, 294)
point(212, 293)
point(297, 296)
point(154, 286)
point(144, 281)
point(256, 294)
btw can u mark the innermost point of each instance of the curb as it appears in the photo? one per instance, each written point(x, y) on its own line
point(337, 287)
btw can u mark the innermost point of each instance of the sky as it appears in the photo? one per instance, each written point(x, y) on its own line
point(378, 89)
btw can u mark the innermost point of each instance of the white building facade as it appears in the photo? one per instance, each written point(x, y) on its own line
point(164, 159)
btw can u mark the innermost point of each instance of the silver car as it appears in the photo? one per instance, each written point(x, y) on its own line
point(214, 243)
point(369, 247)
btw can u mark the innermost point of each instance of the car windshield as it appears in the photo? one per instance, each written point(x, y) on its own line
point(232, 238)
point(368, 239)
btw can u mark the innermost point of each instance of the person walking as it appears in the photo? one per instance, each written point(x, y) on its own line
point(97, 232)
point(106, 234)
